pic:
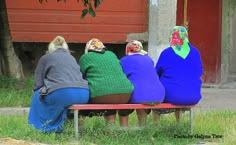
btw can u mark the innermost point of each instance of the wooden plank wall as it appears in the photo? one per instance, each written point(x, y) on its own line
point(31, 21)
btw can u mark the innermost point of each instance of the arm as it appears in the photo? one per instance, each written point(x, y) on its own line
point(125, 66)
point(201, 64)
point(83, 66)
point(158, 66)
point(39, 74)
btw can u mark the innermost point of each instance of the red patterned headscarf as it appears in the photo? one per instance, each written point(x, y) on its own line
point(95, 45)
point(179, 41)
point(134, 47)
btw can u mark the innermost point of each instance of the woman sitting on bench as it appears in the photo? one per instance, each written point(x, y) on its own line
point(107, 82)
point(139, 68)
point(58, 85)
point(180, 69)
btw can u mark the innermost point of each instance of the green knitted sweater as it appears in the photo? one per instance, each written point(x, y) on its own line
point(104, 74)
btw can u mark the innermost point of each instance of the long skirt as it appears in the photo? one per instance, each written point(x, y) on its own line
point(49, 114)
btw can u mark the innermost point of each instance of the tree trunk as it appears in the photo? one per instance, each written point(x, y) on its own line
point(10, 64)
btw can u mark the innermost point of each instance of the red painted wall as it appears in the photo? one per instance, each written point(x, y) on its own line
point(34, 22)
point(204, 26)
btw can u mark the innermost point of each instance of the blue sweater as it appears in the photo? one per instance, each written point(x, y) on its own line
point(181, 77)
point(141, 72)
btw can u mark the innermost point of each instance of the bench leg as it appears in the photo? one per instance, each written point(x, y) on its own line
point(191, 113)
point(178, 116)
point(76, 123)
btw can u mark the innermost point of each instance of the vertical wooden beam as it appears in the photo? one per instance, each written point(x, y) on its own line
point(185, 13)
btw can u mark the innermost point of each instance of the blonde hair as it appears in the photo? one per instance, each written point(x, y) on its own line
point(57, 42)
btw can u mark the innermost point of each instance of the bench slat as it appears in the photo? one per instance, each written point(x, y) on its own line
point(77, 107)
point(124, 106)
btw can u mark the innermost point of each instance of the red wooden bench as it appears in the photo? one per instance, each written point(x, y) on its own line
point(78, 107)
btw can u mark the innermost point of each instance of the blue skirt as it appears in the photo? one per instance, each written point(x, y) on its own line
point(49, 114)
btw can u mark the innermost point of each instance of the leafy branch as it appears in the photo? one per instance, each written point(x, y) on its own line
point(89, 6)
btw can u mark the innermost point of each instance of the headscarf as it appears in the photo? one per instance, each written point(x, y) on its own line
point(95, 45)
point(134, 47)
point(179, 41)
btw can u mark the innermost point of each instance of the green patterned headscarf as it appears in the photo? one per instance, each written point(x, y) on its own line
point(179, 41)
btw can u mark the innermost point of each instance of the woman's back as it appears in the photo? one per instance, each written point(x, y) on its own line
point(181, 77)
point(180, 68)
point(104, 74)
point(141, 72)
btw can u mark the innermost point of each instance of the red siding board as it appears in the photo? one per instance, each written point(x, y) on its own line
point(34, 22)
point(73, 19)
point(73, 37)
point(72, 5)
point(74, 28)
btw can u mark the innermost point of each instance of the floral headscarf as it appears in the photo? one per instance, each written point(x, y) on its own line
point(95, 45)
point(179, 41)
point(134, 47)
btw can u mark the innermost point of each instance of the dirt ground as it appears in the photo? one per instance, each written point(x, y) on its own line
point(10, 141)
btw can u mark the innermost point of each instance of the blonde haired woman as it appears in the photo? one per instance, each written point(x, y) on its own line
point(58, 84)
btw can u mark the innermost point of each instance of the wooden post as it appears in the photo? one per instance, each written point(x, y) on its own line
point(185, 14)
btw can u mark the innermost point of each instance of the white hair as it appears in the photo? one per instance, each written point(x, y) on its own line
point(57, 42)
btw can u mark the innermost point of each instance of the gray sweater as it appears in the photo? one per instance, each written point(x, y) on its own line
point(56, 70)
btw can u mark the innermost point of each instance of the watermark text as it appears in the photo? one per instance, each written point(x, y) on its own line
point(199, 136)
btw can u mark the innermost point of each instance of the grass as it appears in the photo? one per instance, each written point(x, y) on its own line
point(217, 127)
point(15, 93)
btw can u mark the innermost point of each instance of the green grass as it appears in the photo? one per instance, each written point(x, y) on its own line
point(15, 93)
point(206, 127)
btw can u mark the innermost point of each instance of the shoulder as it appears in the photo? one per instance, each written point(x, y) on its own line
point(147, 57)
point(108, 52)
point(127, 59)
point(109, 55)
point(88, 55)
point(166, 52)
point(135, 57)
point(124, 58)
point(194, 49)
point(83, 58)
point(45, 58)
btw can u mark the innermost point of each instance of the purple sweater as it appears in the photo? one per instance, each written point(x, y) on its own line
point(141, 72)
